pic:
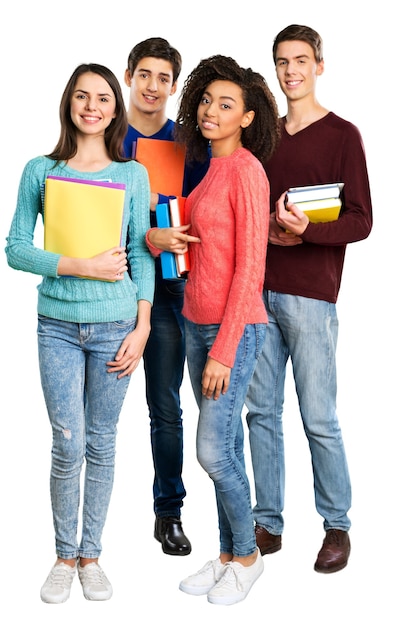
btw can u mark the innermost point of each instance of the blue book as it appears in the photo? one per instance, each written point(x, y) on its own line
point(167, 259)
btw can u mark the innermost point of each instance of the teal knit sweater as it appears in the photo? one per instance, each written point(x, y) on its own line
point(78, 299)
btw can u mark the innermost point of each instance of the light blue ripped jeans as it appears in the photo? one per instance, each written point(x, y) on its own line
point(83, 402)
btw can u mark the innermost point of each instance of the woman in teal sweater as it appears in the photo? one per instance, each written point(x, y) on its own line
point(93, 321)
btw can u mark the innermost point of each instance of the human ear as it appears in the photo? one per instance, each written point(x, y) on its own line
point(173, 88)
point(320, 68)
point(247, 119)
point(128, 78)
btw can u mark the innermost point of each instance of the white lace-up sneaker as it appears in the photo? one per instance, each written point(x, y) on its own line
point(95, 584)
point(56, 588)
point(200, 583)
point(235, 582)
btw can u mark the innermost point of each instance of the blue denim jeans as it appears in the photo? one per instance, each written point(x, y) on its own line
point(220, 433)
point(164, 360)
point(83, 402)
point(305, 330)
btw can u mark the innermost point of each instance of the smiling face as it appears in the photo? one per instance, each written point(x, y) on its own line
point(296, 69)
point(93, 103)
point(221, 116)
point(151, 84)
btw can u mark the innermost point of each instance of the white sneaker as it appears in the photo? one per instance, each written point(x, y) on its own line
point(200, 583)
point(235, 582)
point(56, 588)
point(95, 584)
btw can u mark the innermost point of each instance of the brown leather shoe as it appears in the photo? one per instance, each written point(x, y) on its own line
point(266, 542)
point(334, 553)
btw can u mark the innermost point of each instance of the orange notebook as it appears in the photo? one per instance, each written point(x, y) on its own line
point(165, 162)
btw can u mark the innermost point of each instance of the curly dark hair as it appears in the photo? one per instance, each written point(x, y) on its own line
point(260, 137)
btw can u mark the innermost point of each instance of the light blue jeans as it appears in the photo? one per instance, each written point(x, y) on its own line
point(305, 330)
point(220, 433)
point(83, 402)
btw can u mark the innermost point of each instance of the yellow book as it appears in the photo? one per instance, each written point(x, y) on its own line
point(325, 210)
point(82, 217)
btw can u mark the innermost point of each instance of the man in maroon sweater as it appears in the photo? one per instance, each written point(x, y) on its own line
point(303, 275)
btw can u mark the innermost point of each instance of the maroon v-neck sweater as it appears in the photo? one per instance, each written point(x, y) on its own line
point(328, 151)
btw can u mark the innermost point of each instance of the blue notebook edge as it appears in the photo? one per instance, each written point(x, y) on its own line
point(167, 259)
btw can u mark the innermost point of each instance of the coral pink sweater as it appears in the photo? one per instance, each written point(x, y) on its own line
point(229, 211)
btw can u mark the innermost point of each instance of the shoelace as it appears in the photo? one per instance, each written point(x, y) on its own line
point(213, 566)
point(333, 537)
point(92, 575)
point(60, 576)
point(229, 574)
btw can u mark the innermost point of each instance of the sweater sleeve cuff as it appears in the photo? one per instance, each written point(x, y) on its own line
point(153, 249)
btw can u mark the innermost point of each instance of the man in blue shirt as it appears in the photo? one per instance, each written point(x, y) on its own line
point(153, 69)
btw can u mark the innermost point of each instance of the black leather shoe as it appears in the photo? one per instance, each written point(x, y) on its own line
point(168, 531)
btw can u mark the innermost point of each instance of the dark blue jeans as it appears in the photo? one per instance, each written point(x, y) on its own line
point(164, 359)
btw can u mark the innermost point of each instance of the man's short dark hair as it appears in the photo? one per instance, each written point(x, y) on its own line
point(296, 32)
point(158, 48)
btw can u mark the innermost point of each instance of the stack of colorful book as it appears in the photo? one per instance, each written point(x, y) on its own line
point(174, 266)
point(321, 203)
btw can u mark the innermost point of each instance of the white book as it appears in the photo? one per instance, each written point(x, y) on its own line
point(176, 210)
point(314, 192)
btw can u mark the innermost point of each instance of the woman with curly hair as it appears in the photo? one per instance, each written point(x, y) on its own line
point(233, 110)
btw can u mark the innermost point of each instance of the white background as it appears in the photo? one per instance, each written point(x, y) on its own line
point(42, 42)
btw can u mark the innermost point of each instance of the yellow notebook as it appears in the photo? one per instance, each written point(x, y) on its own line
point(82, 217)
